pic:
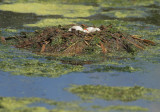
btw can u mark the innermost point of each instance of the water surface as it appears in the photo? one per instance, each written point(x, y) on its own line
point(140, 18)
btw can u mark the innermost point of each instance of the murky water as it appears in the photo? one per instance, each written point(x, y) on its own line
point(140, 18)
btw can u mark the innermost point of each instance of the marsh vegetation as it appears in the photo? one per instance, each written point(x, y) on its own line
point(98, 82)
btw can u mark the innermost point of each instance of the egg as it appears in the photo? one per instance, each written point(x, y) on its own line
point(76, 28)
point(92, 29)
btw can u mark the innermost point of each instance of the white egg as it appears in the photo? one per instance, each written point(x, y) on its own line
point(97, 29)
point(87, 30)
point(76, 28)
point(92, 29)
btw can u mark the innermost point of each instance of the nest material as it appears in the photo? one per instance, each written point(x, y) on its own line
point(58, 40)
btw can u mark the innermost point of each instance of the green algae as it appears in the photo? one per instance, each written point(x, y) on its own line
point(84, 2)
point(150, 55)
point(55, 22)
point(28, 64)
point(36, 68)
point(8, 32)
point(50, 9)
point(125, 13)
point(124, 108)
point(111, 68)
point(108, 3)
point(67, 11)
point(132, 27)
point(8, 104)
point(126, 3)
point(13, 104)
point(71, 13)
point(11, 30)
point(125, 94)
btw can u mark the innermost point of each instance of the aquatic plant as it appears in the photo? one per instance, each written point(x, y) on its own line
point(123, 108)
point(125, 94)
point(55, 22)
point(66, 10)
point(13, 104)
point(30, 64)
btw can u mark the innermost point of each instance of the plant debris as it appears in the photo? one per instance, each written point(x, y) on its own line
point(58, 40)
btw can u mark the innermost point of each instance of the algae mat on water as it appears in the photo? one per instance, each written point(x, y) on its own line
point(125, 94)
point(24, 63)
point(62, 43)
point(69, 13)
point(12, 104)
point(67, 10)
point(86, 92)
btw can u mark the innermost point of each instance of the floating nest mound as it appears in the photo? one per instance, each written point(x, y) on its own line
point(59, 41)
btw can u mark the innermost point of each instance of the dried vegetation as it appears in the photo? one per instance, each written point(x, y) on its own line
point(59, 41)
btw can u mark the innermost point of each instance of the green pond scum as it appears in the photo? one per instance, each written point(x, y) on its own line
point(123, 108)
point(13, 104)
point(88, 57)
point(86, 92)
point(110, 93)
point(135, 17)
point(83, 12)
point(30, 64)
point(50, 9)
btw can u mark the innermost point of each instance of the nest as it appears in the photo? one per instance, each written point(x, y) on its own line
point(58, 40)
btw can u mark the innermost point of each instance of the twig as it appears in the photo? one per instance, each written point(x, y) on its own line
point(133, 43)
point(71, 46)
point(136, 37)
point(98, 45)
point(44, 46)
point(144, 40)
point(103, 48)
point(86, 42)
point(148, 41)
point(117, 44)
point(3, 40)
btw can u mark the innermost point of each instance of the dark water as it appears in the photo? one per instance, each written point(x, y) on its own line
point(54, 88)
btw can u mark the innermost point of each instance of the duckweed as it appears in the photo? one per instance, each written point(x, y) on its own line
point(126, 3)
point(29, 64)
point(109, 68)
point(37, 68)
point(125, 13)
point(55, 22)
point(124, 108)
point(13, 104)
point(115, 3)
point(8, 104)
point(125, 94)
point(67, 10)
